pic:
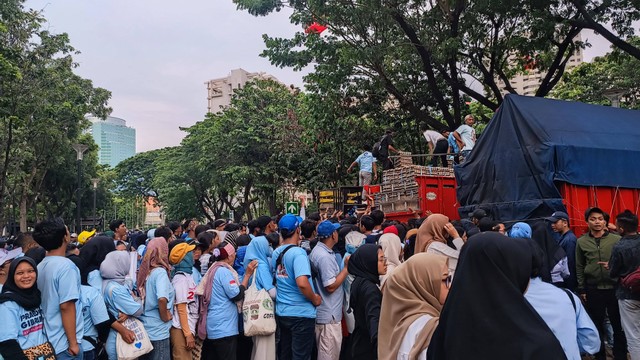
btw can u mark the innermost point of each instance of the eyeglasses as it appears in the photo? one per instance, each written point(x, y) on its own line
point(383, 259)
point(447, 281)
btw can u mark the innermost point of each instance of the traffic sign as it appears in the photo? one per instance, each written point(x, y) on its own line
point(292, 208)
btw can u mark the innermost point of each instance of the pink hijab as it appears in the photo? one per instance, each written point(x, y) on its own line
point(157, 256)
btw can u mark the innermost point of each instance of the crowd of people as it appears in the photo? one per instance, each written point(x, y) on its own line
point(344, 287)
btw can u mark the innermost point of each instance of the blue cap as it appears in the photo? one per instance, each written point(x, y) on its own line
point(326, 228)
point(289, 222)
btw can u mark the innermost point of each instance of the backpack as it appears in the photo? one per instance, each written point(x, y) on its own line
point(631, 282)
point(376, 150)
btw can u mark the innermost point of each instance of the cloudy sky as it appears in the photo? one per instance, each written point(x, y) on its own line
point(155, 56)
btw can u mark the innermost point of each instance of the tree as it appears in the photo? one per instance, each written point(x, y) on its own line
point(42, 105)
point(417, 57)
point(589, 82)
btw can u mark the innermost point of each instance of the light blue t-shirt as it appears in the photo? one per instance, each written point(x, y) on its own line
point(289, 300)
point(59, 282)
point(27, 327)
point(94, 311)
point(365, 161)
point(573, 328)
point(222, 315)
point(158, 286)
point(118, 299)
point(95, 280)
point(197, 277)
point(325, 260)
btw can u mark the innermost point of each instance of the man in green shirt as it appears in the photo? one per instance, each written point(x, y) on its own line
point(596, 288)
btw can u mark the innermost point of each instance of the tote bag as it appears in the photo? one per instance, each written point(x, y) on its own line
point(257, 312)
point(140, 346)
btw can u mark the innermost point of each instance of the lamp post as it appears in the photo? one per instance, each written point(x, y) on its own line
point(80, 149)
point(95, 182)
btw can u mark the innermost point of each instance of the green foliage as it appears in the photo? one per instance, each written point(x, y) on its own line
point(42, 109)
point(615, 71)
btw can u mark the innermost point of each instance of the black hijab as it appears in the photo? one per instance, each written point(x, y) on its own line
point(30, 298)
point(486, 315)
point(364, 263)
point(82, 267)
point(94, 252)
point(37, 254)
point(542, 235)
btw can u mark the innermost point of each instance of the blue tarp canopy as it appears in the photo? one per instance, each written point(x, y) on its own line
point(532, 142)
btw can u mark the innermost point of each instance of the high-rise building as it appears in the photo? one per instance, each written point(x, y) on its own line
point(527, 83)
point(116, 141)
point(219, 91)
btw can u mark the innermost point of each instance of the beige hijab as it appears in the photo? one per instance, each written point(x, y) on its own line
point(409, 293)
point(391, 247)
point(432, 229)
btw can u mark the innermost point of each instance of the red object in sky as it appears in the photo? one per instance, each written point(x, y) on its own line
point(315, 28)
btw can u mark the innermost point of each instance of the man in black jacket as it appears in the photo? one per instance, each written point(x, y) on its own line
point(625, 259)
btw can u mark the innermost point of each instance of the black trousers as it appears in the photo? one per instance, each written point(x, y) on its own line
point(220, 349)
point(387, 164)
point(442, 146)
point(601, 303)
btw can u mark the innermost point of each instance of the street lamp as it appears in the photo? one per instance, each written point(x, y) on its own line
point(614, 95)
point(95, 182)
point(80, 149)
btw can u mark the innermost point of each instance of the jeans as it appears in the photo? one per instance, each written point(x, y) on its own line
point(599, 304)
point(441, 147)
point(89, 355)
point(65, 355)
point(161, 351)
point(296, 337)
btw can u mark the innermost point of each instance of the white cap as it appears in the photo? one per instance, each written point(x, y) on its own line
point(9, 255)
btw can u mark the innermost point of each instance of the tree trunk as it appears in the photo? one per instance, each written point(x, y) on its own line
point(23, 212)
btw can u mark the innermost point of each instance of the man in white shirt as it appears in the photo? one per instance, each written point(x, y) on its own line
point(466, 136)
point(437, 142)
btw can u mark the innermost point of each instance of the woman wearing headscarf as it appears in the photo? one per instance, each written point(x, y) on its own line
point(22, 323)
point(185, 313)
point(97, 321)
point(264, 347)
point(366, 265)
point(220, 303)
point(486, 315)
point(93, 253)
point(555, 267)
point(353, 241)
point(433, 236)
point(392, 249)
point(411, 303)
point(154, 286)
point(117, 292)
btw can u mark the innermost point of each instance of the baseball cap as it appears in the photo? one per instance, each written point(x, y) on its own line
point(478, 214)
point(179, 251)
point(85, 235)
point(9, 255)
point(326, 228)
point(263, 221)
point(289, 222)
point(558, 215)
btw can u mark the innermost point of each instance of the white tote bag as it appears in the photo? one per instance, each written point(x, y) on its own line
point(258, 311)
point(140, 346)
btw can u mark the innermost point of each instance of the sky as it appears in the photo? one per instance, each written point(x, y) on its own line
point(155, 56)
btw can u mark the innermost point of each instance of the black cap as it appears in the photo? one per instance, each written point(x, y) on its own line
point(478, 214)
point(558, 215)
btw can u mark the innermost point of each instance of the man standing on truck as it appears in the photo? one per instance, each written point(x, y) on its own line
point(465, 136)
point(368, 168)
point(384, 148)
point(596, 287)
point(438, 144)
